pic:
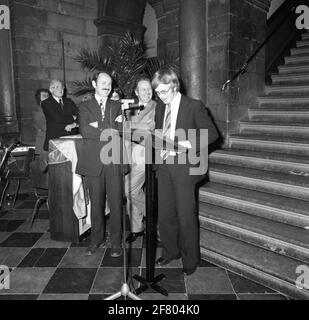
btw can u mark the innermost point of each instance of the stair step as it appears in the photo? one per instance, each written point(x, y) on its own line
point(290, 78)
point(282, 128)
point(265, 205)
point(291, 68)
point(264, 233)
point(262, 160)
point(302, 43)
point(300, 58)
point(268, 268)
point(270, 144)
point(301, 50)
point(288, 114)
point(287, 89)
point(290, 100)
point(265, 181)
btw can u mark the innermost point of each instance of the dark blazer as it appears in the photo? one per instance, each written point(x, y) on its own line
point(192, 114)
point(57, 118)
point(89, 162)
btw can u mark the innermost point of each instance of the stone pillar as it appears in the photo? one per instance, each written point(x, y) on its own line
point(8, 119)
point(192, 44)
point(115, 17)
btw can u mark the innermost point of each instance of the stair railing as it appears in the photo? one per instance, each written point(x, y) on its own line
point(244, 67)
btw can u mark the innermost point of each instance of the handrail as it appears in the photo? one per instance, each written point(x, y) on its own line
point(244, 67)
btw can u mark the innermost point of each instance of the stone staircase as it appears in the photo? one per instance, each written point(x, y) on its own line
point(254, 212)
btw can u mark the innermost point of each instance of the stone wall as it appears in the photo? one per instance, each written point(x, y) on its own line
point(38, 28)
point(235, 30)
point(167, 12)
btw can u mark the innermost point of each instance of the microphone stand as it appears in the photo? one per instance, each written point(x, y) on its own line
point(150, 281)
point(125, 289)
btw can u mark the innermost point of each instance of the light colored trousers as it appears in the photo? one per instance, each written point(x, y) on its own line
point(134, 182)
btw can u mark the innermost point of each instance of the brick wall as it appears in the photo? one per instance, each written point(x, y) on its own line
point(38, 27)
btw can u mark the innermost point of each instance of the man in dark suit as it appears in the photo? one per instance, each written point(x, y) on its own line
point(60, 114)
point(178, 216)
point(98, 117)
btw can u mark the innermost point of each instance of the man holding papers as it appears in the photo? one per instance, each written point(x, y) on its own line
point(178, 116)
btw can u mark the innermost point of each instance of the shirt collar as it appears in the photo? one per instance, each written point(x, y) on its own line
point(99, 99)
point(57, 99)
point(176, 101)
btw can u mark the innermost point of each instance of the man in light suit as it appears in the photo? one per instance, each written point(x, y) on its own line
point(136, 178)
point(177, 215)
point(60, 113)
point(96, 116)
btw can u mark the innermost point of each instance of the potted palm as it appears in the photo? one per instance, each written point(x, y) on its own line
point(125, 61)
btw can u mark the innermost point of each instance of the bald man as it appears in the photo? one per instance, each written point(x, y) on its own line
point(96, 116)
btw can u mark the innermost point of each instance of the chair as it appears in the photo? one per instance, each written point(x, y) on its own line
point(21, 174)
point(4, 170)
point(39, 185)
point(41, 196)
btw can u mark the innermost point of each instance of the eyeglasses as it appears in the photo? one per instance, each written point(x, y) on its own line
point(163, 92)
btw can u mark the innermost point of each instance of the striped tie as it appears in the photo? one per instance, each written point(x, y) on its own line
point(102, 106)
point(167, 129)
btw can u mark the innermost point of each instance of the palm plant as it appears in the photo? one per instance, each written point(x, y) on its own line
point(125, 62)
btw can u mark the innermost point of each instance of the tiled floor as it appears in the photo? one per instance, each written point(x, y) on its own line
point(45, 269)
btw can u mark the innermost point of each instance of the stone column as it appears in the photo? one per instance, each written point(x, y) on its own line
point(115, 17)
point(192, 33)
point(8, 120)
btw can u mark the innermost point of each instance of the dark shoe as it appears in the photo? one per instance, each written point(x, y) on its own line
point(163, 261)
point(188, 271)
point(94, 247)
point(133, 236)
point(116, 251)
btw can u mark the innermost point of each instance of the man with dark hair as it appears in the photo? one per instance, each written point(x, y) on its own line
point(96, 117)
point(178, 217)
point(60, 114)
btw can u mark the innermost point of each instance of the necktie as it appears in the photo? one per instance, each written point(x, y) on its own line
point(61, 103)
point(166, 129)
point(102, 106)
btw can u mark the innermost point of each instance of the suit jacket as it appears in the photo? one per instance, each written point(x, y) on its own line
point(57, 118)
point(91, 146)
point(192, 114)
point(40, 126)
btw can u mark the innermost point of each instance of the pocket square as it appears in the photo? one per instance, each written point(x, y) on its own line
point(119, 119)
point(94, 124)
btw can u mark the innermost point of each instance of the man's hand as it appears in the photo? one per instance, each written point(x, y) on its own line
point(69, 127)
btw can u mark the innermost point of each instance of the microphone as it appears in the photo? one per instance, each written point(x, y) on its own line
point(128, 104)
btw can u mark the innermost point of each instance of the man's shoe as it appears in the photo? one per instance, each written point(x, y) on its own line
point(133, 236)
point(116, 251)
point(189, 271)
point(163, 261)
point(94, 247)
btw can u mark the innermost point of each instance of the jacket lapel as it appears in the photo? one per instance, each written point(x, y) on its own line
point(95, 109)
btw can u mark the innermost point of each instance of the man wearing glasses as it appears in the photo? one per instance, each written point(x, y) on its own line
point(178, 217)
